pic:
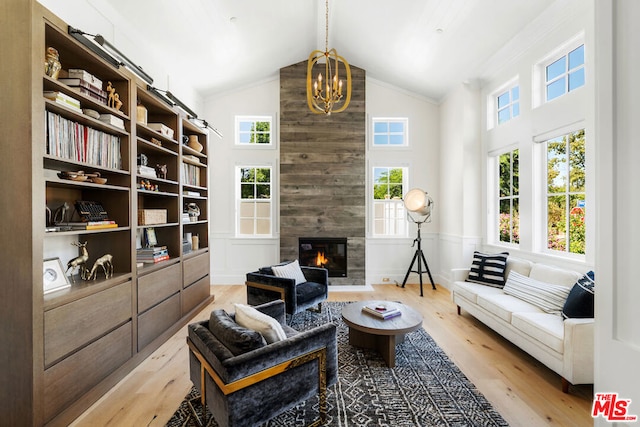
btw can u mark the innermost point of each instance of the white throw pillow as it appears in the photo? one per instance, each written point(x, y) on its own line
point(549, 297)
point(250, 318)
point(290, 271)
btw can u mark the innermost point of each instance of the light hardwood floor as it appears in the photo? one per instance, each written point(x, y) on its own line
point(520, 388)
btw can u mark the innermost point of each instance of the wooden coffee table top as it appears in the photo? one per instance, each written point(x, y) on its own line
point(409, 321)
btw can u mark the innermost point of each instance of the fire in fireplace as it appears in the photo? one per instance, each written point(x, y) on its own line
point(327, 252)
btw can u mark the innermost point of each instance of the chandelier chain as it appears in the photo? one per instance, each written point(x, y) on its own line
point(326, 27)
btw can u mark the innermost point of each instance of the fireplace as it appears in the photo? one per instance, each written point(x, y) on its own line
point(327, 252)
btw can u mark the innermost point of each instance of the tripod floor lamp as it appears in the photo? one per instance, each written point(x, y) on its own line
point(418, 205)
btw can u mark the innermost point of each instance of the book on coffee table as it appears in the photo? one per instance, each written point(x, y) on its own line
point(382, 311)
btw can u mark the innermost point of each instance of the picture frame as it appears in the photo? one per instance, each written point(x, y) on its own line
point(53, 277)
point(150, 239)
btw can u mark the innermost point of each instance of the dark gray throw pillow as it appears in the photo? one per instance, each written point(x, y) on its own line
point(488, 269)
point(579, 303)
point(236, 338)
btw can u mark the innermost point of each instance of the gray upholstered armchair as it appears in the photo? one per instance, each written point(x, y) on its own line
point(244, 384)
point(263, 286)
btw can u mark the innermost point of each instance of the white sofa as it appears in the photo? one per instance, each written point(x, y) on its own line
point(565, 346)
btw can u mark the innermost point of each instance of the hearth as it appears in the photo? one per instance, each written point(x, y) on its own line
point(327, 252)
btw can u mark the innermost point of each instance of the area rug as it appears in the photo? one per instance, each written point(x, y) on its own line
point(425, 388)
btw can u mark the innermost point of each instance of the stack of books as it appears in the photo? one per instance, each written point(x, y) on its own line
point(152, 255)
point(382, 311)
point(92, 225)
point(91, 88)
point(63, 99)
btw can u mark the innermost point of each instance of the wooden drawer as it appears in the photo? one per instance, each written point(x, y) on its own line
point(157, 286)
point(155, 321)
point(71, 326)
point(68, 380)
point(195, 268)
point(195, 294)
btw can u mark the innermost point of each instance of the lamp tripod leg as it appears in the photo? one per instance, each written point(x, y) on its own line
point(433, 286)
point(404, 282)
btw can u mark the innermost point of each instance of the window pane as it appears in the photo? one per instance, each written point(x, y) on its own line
point(505, 220)
point(577, 162)
point(380, 191)
point(576, 225)
point(246, 191)
point(247, 209)
point(516, 109)
point(557, 68)
point(263, 175)
point(245, 126)
point(246, 226)
point(576, 79)
point(247, 175)
point(515, 221)
point(516, 173)
point(556, 223)
point(556, 89)
point(503, 115)
point(395, 176)
point(505, 175)
point(396, 127)
point(556, 167)
point(515, 93)
point(263, 226)
point(380, 139)
point(381, 127)
point(396, 139)
point(576, 57)
point(503, 100)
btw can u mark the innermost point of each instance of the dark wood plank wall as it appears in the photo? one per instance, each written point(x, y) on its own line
point(322, 171)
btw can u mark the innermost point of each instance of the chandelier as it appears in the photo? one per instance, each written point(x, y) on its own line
point(324, 93)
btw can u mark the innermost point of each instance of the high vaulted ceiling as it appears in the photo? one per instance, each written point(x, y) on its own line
point(424, 46)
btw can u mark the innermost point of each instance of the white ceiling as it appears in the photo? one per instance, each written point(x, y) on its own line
point(424, 46)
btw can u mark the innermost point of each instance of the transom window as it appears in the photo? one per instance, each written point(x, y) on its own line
point(254, 202)
point(508, 104)
point(390, 132)
point(565, 193)
point(388, 208)
point(565, 74)
point(252, 130)
point(509, 197)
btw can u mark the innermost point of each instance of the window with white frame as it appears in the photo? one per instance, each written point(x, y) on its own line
point(508, 104)
point(508, 171)
point(390, 132)
point(565, 73)
point(388, 188)
point(565, 193)
point(254, 201)
point(254, 130)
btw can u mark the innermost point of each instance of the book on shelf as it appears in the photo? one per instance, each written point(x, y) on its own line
point(190, 174)
point(155, 260)
point(78, 73)
point(112, 120)
point(63, 99)
point(76, 82)
point(92, 225)
point(152, 255)
point(382, 311)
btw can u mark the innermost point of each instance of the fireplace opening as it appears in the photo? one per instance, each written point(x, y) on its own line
point(326, 252)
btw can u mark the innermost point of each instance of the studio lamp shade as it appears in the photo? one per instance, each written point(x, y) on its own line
point(417, 200)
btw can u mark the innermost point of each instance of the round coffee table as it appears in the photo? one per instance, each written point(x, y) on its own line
point(368, 331)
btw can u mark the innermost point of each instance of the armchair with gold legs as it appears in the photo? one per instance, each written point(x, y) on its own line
point(245, 384)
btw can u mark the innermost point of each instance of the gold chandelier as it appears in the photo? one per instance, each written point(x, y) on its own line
point(324, 93)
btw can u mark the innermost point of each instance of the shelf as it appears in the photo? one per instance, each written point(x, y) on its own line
point(188, 150)
point(186, 196)
point(195, 253)
point(148, 145)
point(157, 193)
point(150, 268)
point(168, 224)
point(54, 181)
point(200, 221)
point(54, 163)
point(194, 163)
point(71, 114)
point(81, 232)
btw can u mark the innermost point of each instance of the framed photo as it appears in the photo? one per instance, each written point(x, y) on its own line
point(53, 277)
point(150, 239)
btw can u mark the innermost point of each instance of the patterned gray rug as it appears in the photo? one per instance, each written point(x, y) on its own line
point(425, 388)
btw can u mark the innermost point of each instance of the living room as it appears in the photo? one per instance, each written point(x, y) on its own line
point(448, 134)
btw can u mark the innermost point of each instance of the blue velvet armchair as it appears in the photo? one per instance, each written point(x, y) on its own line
point(263, 286)
point(248, 388)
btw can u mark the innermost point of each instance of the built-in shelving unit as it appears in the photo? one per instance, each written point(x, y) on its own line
point(84, 338)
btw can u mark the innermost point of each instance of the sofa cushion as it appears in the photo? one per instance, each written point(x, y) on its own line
point(503, 305)
point(471, 290)
point(291, 270)
point(236, 338)
point(557, 276)
point(522, 266)
point(544, 327)
point(549, 297)
point(488, 269)
point(308, 291)
point(579, 303)
point(251, 318)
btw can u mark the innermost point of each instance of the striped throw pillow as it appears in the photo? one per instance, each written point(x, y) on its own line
point(547, 296)
point(488, 269)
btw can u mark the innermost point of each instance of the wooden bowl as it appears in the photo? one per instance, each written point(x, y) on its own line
point(99, 180)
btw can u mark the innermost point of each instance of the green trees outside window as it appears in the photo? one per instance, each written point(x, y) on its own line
point(509, 197)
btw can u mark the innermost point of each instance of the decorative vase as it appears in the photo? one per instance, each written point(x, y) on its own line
point(52, 65)
point(141, 114)
point(194, 143)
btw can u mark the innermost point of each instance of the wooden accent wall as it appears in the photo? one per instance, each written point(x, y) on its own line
point(322, 171)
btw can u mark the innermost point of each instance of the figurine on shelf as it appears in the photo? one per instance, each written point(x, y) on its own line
point(114, 99)
point(105, 261)
point(52, 64)
point(161, 171)
point(194, 211)
point(78, 262)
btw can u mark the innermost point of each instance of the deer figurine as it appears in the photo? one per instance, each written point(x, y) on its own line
point(107, 266)
point(79, 261)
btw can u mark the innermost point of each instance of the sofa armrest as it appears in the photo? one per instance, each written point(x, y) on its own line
point(272, 354)
point(459, 274)
point(286, 287)
point(275, 309)
point(579, 351)
point(316, 274)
